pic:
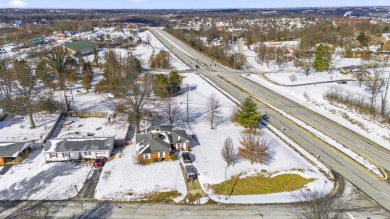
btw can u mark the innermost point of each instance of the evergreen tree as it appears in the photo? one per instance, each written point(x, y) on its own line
point(322, 58)
point(248, 116)
point(174, 82)
point(160, 86)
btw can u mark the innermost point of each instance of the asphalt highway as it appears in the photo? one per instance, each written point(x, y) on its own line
point(379, 190)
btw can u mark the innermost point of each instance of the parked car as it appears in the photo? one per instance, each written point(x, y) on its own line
point(190, 172)
point(185, 157)
point(98, 163)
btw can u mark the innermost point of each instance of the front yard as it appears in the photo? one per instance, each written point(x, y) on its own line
point(34, 179)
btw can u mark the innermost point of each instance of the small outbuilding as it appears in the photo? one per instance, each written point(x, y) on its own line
point(63, 149)
point(14, 152)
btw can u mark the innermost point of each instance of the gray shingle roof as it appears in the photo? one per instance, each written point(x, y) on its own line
point(12, 149)
point(158, 144)
point(165, 128)
point(84, 144)
point(179, 133)
point(155, 144)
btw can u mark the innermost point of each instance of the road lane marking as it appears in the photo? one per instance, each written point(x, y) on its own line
point(385, 195)
point(350, 215)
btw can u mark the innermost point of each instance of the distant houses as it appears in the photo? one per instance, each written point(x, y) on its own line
point(64, 149)
point(14, 152)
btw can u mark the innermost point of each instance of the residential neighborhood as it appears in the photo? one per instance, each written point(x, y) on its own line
point(253, 112)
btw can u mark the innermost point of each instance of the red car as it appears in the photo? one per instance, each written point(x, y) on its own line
point(99, 162)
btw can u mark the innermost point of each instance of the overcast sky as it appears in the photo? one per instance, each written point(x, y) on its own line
point(186, 4)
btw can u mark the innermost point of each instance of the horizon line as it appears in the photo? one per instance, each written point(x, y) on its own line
point(229, 8)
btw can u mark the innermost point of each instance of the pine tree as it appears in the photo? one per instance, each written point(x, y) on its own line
point(322, 58)
point(254, 148)
point(248, 116)
point(174, 82)
point(160, 86)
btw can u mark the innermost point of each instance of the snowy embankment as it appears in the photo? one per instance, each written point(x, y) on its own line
point(145, 52)
point(207, 150)
point(353, 155)
point(124, 180)
point(36, 180)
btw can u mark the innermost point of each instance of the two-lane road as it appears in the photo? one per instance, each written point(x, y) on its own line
point(378, 190)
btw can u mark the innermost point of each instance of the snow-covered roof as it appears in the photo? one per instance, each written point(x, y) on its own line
point(81, 144)
point(13, 149)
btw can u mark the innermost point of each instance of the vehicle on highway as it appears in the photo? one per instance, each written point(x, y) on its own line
point(98, 163)
point(342, 82)
point(197, 66)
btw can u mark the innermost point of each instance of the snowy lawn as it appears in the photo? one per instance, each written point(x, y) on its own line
point(144, 52)
point(312, 96)
point(33, 179)
point(76, 126)
point(123, 180)
point(17, 128)
point(207, 151)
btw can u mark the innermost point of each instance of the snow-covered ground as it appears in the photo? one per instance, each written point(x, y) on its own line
point(207, 152)
point(36, 180)
point(311, 96)
point(145, 52)
point(76, 126)
point(123, 180)
point(17, 128)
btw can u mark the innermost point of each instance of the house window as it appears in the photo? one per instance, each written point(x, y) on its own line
point(146, 156)
point(53, 155)
point(179, 145)
point(161, 154)
point(65, 155)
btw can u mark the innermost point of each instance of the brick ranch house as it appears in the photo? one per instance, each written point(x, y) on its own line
point(159, 142)
point(63, 149)
point(14, 152)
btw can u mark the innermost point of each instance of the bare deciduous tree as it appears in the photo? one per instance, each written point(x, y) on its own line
point(318, 205)
point(25, 87)
point(375, 80)
point(213, 110)
point(5, 87)
point(228, 151)
point(148, 40)
point(59, 60)
point(135, 101)
point(172, 111)
point(254, 148)
point(306, 65)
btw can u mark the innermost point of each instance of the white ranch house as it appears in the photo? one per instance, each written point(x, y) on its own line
point(76, 149)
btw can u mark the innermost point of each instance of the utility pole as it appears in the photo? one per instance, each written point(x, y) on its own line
point(187, 101)
point(225, 185)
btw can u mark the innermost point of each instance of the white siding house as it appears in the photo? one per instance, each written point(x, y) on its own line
point(77, 149)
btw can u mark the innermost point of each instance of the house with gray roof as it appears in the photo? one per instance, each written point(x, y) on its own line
point(14, 152)
point(63, 149)
point(160, 141)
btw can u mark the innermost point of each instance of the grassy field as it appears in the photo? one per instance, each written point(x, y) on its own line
point(255, 185)
point(161, 196)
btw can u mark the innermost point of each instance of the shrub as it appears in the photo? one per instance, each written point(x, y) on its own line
point(47, 104)
point(173, 157)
